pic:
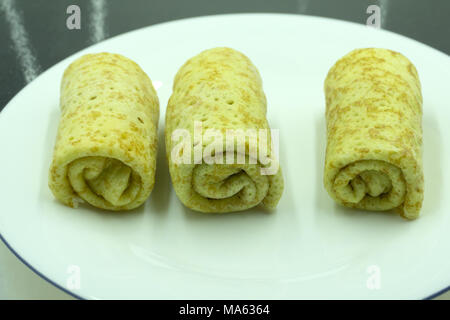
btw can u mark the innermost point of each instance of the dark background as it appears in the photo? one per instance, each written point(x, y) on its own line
point(50, 41)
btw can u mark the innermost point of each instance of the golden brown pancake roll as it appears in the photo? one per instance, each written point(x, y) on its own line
point(220, 91)
point(374, 132)
point(105, 150)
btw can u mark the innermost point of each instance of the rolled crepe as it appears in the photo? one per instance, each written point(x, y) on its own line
point(105, 150)
point(220, 90)
point(374, 132)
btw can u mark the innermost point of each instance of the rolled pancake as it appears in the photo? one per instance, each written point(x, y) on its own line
point(106, 145)
point(374, 132)
point(221, 90)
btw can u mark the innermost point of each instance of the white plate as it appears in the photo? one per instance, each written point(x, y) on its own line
point(308, 248)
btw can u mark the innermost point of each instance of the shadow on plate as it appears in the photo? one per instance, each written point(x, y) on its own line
point(202, 216)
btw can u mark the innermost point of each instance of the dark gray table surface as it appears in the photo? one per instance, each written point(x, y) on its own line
point(34, 35)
